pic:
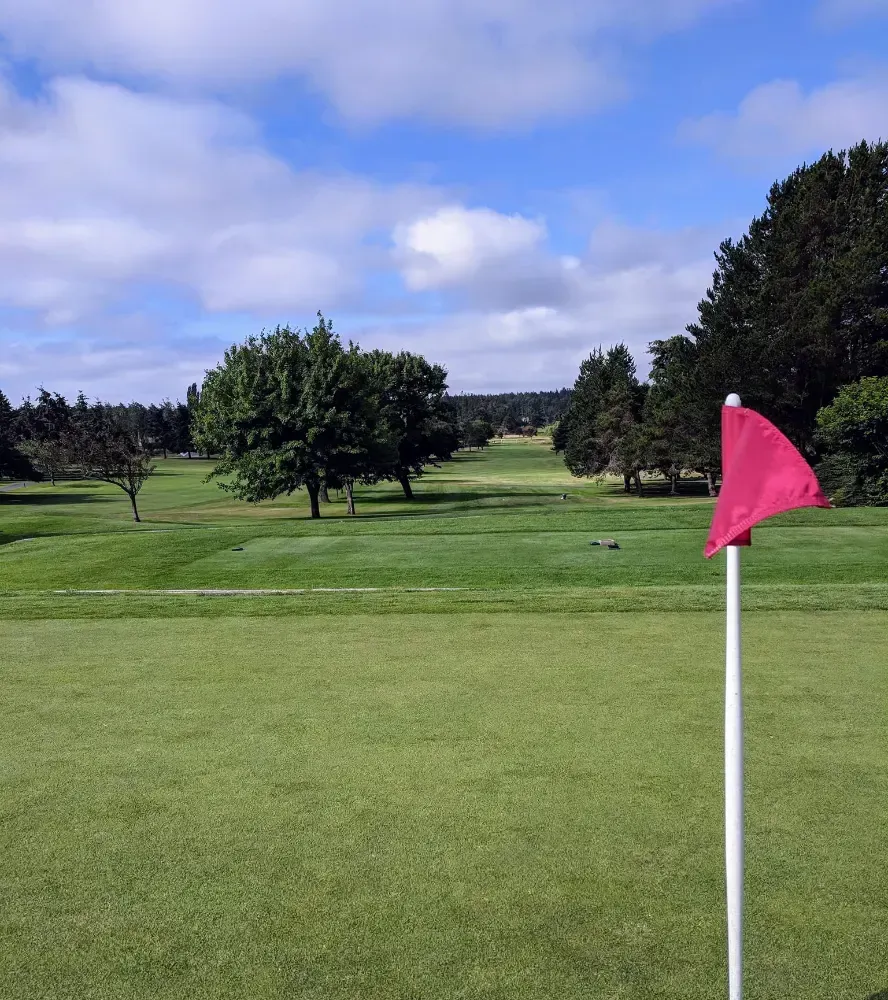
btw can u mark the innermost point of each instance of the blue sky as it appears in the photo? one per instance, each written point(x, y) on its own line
point(501, 185)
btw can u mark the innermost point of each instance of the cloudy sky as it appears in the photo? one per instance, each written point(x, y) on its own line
point(501, 185)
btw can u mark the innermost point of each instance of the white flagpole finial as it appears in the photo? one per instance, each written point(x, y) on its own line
point(733, 400)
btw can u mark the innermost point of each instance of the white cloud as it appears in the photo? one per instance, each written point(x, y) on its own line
point(632, 285)
point(116, 371)
point(778, 120)
point(480, 62)
point(113, 203)
point(102, 188)
point(454, 243)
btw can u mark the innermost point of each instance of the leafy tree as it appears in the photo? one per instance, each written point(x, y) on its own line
point(46, 429)
point(51, 456)
point(477, 433)
point(277, 410)
point(161, 427)
point(852, 432)
point(414, 408)
point(109, 451)
point(367, 446)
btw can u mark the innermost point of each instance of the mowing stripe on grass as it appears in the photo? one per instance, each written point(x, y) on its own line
point(233, 592)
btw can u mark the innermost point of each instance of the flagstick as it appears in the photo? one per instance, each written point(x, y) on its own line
point(734, 770)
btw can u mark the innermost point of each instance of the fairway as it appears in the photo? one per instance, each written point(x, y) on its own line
point(507, 788)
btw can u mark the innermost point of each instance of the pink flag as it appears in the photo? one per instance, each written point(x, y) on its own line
point(763, 474)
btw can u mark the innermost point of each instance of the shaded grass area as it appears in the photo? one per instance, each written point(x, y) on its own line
point(511, 806)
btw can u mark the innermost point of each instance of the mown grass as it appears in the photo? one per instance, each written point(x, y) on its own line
point(510, 789)
point(522, 806)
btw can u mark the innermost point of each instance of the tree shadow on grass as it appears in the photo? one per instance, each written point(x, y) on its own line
point(463, 497)
point(459, 458)
point(881, 995)
point(24, 500)
point(656, 489)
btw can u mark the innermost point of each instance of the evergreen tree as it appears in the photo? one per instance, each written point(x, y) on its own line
point(14, 464)
point(602, 431)
point(799, 306)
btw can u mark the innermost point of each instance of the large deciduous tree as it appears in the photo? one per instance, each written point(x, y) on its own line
point(413, 406)
point(852, 434)
point(279, 410)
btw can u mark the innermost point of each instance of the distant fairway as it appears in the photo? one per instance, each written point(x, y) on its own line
point(510, 789)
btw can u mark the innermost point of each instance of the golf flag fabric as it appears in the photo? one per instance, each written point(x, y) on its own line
point(763, 474)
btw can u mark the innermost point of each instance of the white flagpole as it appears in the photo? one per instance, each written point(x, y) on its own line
point(734, 770)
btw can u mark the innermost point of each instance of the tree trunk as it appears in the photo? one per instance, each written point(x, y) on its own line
point(405, 485)
point(349, 497)
point(136, 517)
point(52, 478)
point(189, 453)
point(323, 494)
point(673, 492)
point(710, 482)
point(638, 485)
point(313, 489)
point(627, 483)
point(164, 453)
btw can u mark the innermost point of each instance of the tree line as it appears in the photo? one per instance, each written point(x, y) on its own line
point(283, 411)
point(512, 412)
point(50, 439)
point(795, 321)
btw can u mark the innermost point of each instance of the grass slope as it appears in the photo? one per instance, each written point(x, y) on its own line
point(487, 793)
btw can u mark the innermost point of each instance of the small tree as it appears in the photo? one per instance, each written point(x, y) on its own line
point(477, 433)
point(108, 451)
point(51, 456)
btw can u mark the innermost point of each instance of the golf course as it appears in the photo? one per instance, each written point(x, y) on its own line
point(445, 748)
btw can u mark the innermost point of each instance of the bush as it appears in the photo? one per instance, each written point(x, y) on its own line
point(852, 433)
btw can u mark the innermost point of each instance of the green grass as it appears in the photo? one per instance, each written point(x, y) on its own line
point(507, 790)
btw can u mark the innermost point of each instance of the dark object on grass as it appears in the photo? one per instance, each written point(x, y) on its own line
point(563, 496)
point(240, 548)
point(606, 543)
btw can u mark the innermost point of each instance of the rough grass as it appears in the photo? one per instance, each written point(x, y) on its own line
point(509, 790)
